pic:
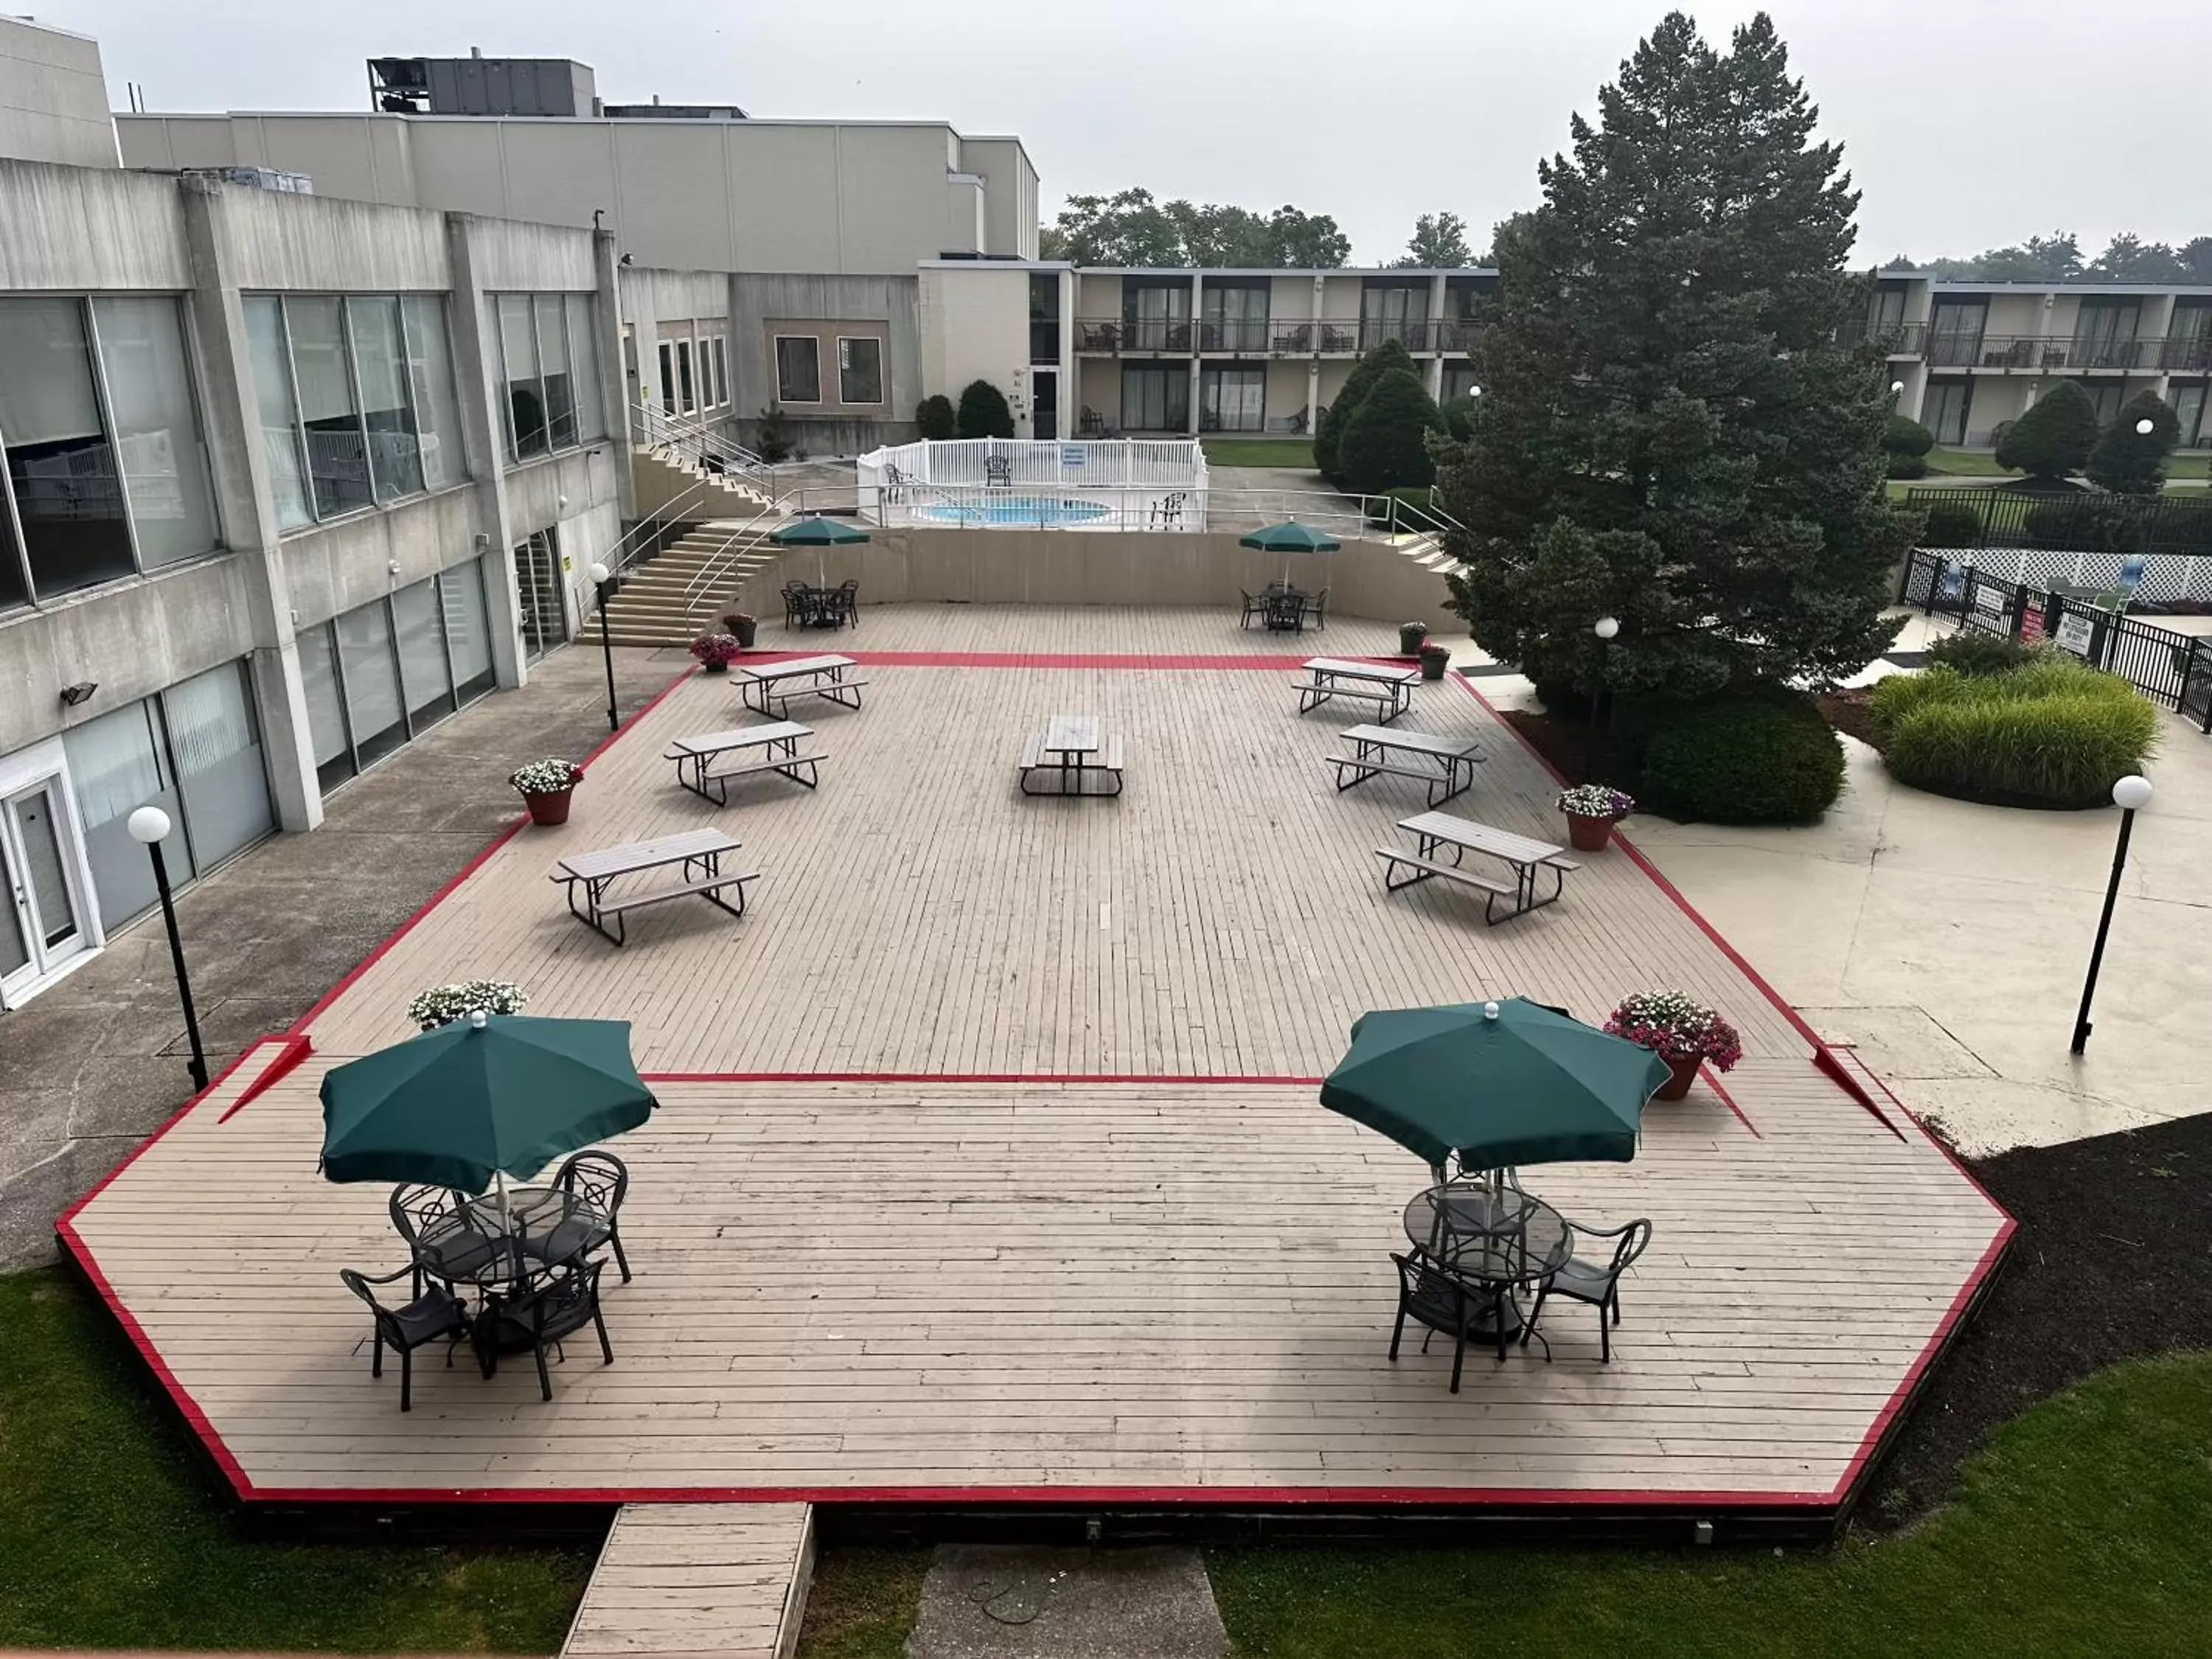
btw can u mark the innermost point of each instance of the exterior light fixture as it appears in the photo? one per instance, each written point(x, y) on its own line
point(2131, 794)
point(150, 826)
point(81, 692)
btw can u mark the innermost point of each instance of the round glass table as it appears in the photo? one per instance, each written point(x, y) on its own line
point(1498, 1238)
point(475, 1244)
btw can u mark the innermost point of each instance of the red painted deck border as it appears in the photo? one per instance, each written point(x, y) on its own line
point(296, 1048)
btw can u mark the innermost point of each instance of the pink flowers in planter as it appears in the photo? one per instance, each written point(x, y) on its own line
point(1677, 1027)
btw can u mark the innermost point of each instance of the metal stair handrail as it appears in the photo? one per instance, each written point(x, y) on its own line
point(630, 547)
point(678, 433)
point(725, 555)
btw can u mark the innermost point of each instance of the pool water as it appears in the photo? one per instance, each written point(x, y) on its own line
point(1017, 509)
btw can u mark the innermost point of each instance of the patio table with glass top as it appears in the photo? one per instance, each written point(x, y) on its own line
point(1494, 1235)
point(769, 688)
point(491, 1246)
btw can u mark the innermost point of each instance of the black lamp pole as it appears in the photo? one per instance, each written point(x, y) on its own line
point(150, 824)
point(598, 575)
point(1605, 628)
point(2129, 794)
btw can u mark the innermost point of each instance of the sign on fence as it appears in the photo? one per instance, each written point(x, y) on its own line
point(2074, 632)
point(1071, 457)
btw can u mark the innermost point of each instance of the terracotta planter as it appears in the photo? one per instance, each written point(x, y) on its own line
point(1586, 834)
point(1684, 1073)
point(550, 807)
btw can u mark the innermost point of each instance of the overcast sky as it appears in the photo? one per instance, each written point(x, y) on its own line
point(1967, 124)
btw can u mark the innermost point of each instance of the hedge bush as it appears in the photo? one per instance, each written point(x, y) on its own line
point(1384, 443)
point(2086, 523)
point(934, 416)
point(1951, 524)
point(2056, 435)
point(1982, 653)
point(1905, 466)
point(2051, 733)
point(1905, 436)
point(1763, 758)
point(1328, 431)
point(983, 412)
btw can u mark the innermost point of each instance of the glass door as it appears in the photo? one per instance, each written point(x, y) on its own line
point(41, 925)
point(1954, 335)
point(537, 575)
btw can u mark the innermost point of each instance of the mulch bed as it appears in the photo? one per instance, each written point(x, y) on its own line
point(1573, 751)
point(2112, 1259)
point(1849, 711)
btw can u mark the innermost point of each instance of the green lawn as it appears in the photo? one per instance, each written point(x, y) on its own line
point(1259, 452)
point(2077, 1533)
point(1965, 464)
point(114, 1533)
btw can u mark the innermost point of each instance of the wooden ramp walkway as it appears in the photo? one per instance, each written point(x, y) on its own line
point(722, 1579)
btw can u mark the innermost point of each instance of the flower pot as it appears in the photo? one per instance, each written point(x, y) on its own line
point(1410, 635)
point(550, 806)
point(744, 629)
point(714, 668)
point(1586, 834)
point(1434, 660)
point(1684, 1073)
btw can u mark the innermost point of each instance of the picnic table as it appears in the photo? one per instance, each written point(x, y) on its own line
point(1389, 688)
point(769, 687)
point(1448, 763)
point(699, 760)
point(1070, 749)
point(1435, 832)
point(698, 852)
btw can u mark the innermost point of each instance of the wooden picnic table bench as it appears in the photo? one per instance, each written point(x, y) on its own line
point(1389, 688)
point(1446, 763)
point(1435, 832)
point(700, 762)
point(1069, 750)
point(769, 687)
point(698, 851)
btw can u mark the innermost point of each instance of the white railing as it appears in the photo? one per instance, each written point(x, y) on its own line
point(724, 558)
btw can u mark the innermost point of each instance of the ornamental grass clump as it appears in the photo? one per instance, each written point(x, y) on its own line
point(1676, 1026)
point(441, 1005)
point(2052, 732)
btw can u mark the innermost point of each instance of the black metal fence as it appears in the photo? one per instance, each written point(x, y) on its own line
point(2070, 520)
point(2175, 668)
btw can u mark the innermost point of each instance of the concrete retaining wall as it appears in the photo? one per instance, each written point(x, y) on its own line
point(1126, 567)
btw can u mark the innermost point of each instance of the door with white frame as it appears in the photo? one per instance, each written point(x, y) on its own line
point(47, 918)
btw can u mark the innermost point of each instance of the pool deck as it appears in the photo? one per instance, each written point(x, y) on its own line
point(988, 1167)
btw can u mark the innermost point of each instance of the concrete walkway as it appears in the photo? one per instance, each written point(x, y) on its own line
point(93, 1065)
point(1948, 941)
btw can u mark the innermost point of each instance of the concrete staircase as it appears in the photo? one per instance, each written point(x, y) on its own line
point(671, 473)
point(650, 607)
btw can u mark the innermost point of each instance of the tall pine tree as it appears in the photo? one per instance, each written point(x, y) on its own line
point(1670, 433)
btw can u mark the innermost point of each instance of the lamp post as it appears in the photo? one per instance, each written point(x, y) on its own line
point(598, 572)
point(1605, 628)
point(150, 825)
point(2129, 794)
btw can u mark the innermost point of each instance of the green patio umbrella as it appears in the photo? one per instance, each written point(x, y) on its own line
point(1500, 1083)
point(1288, 537)
point(470, 1103)
point(817, 532)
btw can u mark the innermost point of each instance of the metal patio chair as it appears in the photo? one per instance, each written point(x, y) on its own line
point(1440, 1300)
point(542, 1313)
point(601, 1181)
point(434, 1313)
point(1597, 1284)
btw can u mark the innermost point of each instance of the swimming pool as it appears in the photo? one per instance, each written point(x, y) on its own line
point(1016, 509)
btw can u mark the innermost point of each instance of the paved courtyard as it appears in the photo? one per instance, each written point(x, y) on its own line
point(989, 1166)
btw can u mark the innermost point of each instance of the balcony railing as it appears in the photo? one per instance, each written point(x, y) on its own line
point(1280, 337)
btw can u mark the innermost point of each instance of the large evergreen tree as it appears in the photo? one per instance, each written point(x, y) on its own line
point(1384, 445)
point(1670, 432)
point(1328, 431)
point(2132, 463)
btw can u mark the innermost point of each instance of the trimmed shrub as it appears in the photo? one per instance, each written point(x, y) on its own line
point(1328, 431)
point(772, 437)
point(2132, 463)
point(1905, 436)
point(2000, 432)
point(2086, 523)
point(1384, 445)
point(934, 416)
point(2051, 733)
point(1904, 466)
point(1982, 653)
point(983, 412)
point(1761, 757)
point(2056, 435)
point(1951, 524)
point(1458, 416)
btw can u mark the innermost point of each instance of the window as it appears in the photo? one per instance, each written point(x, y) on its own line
point(157, 428)
point(1155, 315)
point(468, 630)
point(1156, 399)
point(371, 678)
point(61, 467)
point(583, 358)
point(216, 744)
point(1236, 317)
point(115, 768)
point(859, 370)
point(337, 453)
point(326, 727)
point(2105, 396)
point(798, 368)
point(388, 399)
point(425, 676)
point(1947, 405)
point(1233, 399)
point(668, 375)
point(280, 415)
point(525, 397)
point(560, 384)
point(1887, 314)
point(686, 400)
point(1459, 380)
point(1396, 311)
point(721, 370)
point(2188, 411)
point(1955, 332)
point(430, 375)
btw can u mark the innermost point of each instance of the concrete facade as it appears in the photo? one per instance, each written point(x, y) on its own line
point(802, 196)
point(53, 96)
point(1967, 356)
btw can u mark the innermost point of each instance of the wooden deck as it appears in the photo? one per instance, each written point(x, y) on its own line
point(989, 1167)
point(721, 1579)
